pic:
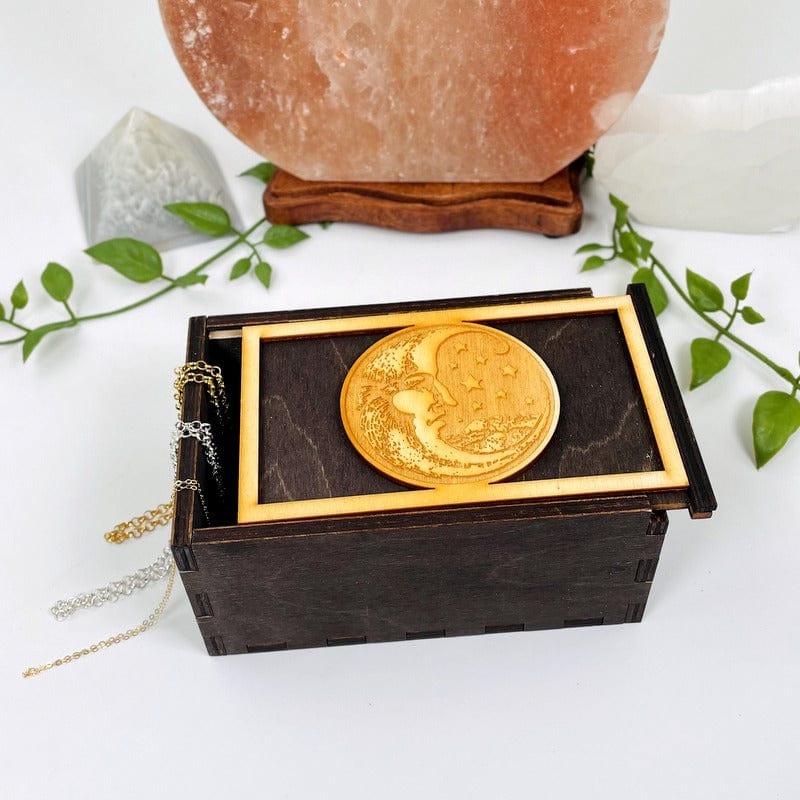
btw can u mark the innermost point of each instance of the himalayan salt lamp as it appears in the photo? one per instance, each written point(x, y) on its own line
point(417, 90)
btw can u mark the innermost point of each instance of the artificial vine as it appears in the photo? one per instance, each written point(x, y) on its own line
point(776, 415)
point(139, 262)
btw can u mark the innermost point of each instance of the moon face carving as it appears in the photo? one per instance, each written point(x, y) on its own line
point(449, 404)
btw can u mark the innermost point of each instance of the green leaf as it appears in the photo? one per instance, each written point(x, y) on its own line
point(709, 358)
point(621, 209)
point(32, 338)
point(241, 267)
point(655, 290)
point(751, 316)
point(208, 218)
point(263, 171)
point(593, 262)
point(191, 279)
point(589, 248)
point(705, 294)
point(19, 297)
point(741, 286)
point(264, 273)
point(282, 236)
point(57, 282)
point(137, 261)
point(629, 246)
point(645, 246)
point(325, 225)
point(776, 417)
point(2, 312)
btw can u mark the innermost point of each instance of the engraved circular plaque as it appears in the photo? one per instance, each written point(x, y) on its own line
point(449, 404)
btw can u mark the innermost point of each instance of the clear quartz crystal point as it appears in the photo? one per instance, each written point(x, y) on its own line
point(140, 166)
point(724, 161)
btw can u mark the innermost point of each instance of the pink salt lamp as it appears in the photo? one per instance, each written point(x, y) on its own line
point(417, 90)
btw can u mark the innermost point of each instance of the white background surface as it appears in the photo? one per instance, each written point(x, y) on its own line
point(699, 701)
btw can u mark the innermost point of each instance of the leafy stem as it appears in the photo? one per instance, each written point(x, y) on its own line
point(10, 321)
point(776, 416)
point(12, 341)
point(722, 330)
point(731, 315)
point(139, 262)
point(176, 283)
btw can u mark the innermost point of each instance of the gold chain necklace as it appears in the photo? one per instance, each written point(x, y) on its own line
point(132, 529)
point(210, 377)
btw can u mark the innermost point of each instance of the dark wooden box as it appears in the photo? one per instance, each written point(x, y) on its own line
point(580, 548)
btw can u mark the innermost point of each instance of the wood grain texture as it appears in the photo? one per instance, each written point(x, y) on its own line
point(428, 573)
point(552, 207)
point(305, 453)
point(670, 478)
point(451, 574)
point(470, 403)
point(188, 509)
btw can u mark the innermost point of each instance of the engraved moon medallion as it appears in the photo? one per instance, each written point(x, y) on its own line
point(449, 404)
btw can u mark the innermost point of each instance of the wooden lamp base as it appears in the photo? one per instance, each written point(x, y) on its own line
point(552, 207)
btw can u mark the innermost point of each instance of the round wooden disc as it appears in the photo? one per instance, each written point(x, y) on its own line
point(449, 404)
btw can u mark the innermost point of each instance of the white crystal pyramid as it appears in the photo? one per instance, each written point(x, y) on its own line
point(140, 166)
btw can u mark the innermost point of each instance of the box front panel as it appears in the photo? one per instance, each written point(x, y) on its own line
point(439, 579)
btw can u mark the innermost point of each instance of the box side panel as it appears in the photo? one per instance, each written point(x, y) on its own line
point(193, 405)
point(440, 579)
point(218, 496)
point(700, 496)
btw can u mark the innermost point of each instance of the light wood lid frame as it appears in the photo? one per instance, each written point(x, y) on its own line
point(672, 477)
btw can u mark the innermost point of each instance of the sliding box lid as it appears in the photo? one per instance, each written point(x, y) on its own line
point(622, 428)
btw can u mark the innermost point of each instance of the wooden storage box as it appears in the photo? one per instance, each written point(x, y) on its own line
point(337, 553)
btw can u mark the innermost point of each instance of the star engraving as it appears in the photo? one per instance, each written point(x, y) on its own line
point(502, 394)
point(452, 365)
point(481, 359)
point(476, 406)
point(510, 371)
point(472, 383)
point(461, 347)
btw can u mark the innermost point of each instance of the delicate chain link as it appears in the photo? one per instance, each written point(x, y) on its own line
point(208, 375)
point(146, 523)
point(192, 372)
point(144, 625)
point(193, 486)
point(180, 385)
point(202, 432)
point(112, 591)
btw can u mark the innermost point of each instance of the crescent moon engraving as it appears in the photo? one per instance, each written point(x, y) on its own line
point(445, 404)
